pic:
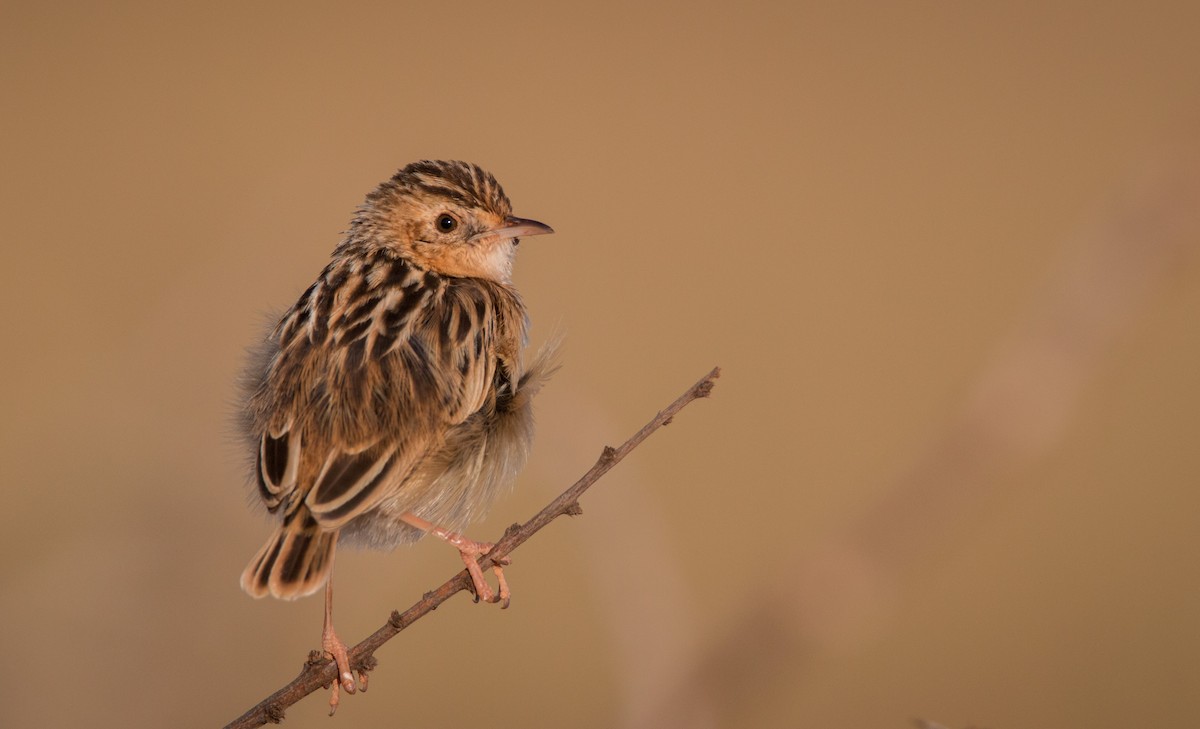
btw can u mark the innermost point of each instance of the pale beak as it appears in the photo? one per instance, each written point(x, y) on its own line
point(512, 228)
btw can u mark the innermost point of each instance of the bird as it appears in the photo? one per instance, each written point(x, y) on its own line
point(392, 399)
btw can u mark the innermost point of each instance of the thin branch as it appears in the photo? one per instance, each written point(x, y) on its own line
point(319, 672)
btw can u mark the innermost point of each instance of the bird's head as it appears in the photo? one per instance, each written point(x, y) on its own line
point(450, 217)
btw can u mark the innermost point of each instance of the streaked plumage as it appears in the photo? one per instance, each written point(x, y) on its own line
point(395, 384)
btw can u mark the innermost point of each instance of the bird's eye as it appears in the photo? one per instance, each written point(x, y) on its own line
point(446, 222)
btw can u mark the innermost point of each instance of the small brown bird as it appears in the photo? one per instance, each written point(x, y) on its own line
point(391, 399)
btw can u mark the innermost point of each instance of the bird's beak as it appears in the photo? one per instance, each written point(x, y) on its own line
point(513, 228)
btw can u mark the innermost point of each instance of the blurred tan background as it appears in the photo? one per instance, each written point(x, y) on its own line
point(944, 252)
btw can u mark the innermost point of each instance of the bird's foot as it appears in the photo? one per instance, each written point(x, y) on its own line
point(470, 551)
point(336, 650)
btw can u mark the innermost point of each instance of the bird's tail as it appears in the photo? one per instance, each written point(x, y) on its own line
point(294, 562)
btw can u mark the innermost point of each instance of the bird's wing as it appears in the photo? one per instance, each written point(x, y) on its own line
point(349, 483)
point(276, 465)
point(349, 480)
point(379, 400)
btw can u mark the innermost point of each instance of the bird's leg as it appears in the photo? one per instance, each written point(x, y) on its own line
point(470, 551)
point(333, 645)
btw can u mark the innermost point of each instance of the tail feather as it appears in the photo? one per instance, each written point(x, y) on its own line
point(293, 563)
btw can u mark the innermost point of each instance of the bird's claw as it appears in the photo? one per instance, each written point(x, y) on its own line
point(470, 553)
point(335, 649)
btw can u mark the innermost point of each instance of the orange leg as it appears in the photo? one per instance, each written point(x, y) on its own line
point(469, 550)
point(333, 645)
